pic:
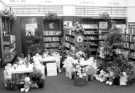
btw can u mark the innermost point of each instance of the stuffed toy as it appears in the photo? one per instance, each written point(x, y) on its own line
point(123, 79)
point(27, 85)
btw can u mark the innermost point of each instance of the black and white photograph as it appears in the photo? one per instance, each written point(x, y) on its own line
point(67, 46)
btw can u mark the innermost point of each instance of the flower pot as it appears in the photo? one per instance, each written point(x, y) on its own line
point(80, 81)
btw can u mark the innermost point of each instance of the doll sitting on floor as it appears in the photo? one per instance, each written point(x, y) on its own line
point(27, 85)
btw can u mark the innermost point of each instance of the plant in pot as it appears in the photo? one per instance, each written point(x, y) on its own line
point(114, 58)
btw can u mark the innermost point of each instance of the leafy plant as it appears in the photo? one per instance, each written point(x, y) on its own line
point(113, 60)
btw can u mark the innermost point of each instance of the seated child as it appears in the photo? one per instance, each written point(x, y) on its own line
point(27, 85)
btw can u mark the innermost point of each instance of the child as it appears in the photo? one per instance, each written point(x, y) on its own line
point(27, 85)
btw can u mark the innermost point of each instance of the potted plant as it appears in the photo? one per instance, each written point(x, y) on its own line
point(114, 58)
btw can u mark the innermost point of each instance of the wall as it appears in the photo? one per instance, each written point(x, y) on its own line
point(131, 9)
point(19, 30)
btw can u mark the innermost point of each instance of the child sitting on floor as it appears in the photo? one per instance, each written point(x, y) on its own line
point(27, 85)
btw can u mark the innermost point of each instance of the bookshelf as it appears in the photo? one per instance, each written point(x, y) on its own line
point(7, 40)
point(131, 40)
point(103, 31)
point(52, 33)
point(91, 35)
point(69, 39)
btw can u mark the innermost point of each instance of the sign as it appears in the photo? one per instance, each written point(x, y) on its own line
point(30, 29)
point(51, 69)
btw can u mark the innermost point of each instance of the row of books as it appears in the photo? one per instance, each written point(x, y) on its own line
point(49, 45)
point(47, 33)
point(132, 55)
point(90, 32)
point(102, 37)
point(126, 38)
point(69, 32)
point(126, 45)
point(103, 31)
point(49, 39)
point(91, 38)
point(132, 46)
point(131, 29)
point(100, 25)
point(129, 38)
point(90, 26)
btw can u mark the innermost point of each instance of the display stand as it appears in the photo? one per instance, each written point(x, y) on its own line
point(7, 39)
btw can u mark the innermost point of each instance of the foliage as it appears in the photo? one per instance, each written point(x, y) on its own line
point(113, 60)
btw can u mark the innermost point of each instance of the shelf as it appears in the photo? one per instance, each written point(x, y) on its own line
point(133, 50)
point(50, 47)
point(51, 41)
point(132, 58)
point(70, 35)
point(70, 42)
point(93, 45)
point(51, 35)
point(91, 39)
point(90, 34)
point(91, 29)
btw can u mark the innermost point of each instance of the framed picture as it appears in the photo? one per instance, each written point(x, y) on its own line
point(103, 25)
point(30, 29)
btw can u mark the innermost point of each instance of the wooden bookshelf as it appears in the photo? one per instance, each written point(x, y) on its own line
point(52, 33)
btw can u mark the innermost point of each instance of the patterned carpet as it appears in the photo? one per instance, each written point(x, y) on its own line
point(61, 84)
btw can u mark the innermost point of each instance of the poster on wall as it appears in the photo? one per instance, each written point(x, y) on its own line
point(103, 25)
point(30, 29)
point(68, 23)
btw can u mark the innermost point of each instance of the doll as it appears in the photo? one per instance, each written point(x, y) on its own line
point(27, 85)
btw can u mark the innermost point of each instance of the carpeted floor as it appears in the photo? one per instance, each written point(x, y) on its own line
point(60, 84)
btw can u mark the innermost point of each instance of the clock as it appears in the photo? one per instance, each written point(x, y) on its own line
point(79, 39)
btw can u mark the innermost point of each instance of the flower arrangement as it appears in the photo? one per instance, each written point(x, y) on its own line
point(80, 66)
point(80, 70)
